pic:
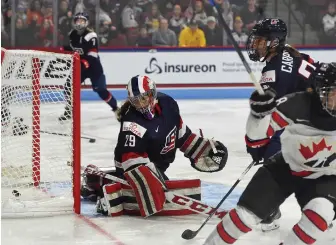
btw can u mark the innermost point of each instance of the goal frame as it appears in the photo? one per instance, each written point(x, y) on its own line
point(76, 124)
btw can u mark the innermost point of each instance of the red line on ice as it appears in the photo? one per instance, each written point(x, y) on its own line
point(100, 230)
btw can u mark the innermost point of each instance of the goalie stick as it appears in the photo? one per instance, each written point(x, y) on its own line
point(236, 46)
point(91, 140)
point(179, 200)
point(189, 234)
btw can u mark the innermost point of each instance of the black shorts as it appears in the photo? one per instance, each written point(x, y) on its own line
point(273, 184)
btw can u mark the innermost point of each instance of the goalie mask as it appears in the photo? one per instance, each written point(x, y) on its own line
point(267, 36)
point(325, 84)
point(81, 21)
point(142, 95)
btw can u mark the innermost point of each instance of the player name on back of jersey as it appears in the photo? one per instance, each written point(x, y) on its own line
point(287, 62)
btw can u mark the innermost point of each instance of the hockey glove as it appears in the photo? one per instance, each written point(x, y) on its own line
point(257, 154)
point(201, 155)
point(262, 105)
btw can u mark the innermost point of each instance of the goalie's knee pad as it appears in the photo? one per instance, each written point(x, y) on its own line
point(148, 190)
point(205, 155)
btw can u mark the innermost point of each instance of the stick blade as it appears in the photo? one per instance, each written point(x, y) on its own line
point(188, 234)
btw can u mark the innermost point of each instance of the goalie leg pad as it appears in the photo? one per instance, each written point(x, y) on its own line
point(113, 199)
point(148, 189)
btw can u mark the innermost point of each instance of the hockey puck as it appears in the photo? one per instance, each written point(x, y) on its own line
point(16, 193)
point(92, 140)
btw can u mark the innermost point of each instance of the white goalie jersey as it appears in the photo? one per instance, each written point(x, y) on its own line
point(309, 139)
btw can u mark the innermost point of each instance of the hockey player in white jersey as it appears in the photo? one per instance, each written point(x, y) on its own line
point(306, 166)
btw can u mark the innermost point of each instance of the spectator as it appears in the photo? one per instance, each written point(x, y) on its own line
point(152, 21)
point(192, 36)
point(64, 21)
point(164, 37)
point(4, 36)
point(329, 24)
point(250, 14)
point(21, 12)
point(130, 15)
point(213, 33)
point(106, 33)
point(227, 15)
point(129, 19)
point(177, 22)
point(22, 35)
point(34, 14)
point(143, 39)
point(46, 33)
point(238, 34)
point(200, 14)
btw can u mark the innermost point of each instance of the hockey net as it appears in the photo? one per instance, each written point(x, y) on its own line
point(35, 177)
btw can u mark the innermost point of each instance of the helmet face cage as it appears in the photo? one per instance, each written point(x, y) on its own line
point(259, 47)
point(328, 99)
point(144, 103)
point(80, 22)
point(267, 36)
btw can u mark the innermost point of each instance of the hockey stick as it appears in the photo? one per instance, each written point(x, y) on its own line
point(189, 234)
point(179, 200)
point(91, 140)
point(236, 46)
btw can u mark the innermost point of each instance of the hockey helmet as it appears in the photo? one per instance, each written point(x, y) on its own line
point(325, 86)
point(267, 36)
point(142, 95)
point(80, 21)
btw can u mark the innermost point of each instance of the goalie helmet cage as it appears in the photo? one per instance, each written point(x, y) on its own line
point(35, 177)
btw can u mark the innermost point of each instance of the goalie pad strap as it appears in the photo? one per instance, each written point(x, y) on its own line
point(114, 199)
point(194, 146)
point(148, 189)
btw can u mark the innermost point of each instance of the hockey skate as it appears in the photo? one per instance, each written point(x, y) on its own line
point(67, 115)
point(271, 222)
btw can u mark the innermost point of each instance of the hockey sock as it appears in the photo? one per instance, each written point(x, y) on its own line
point(316, 217)
point(105, 95)
point(235, 224)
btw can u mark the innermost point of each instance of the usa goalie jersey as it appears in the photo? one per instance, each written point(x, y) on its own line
point(309, 139)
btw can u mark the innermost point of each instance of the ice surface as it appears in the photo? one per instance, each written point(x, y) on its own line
point(224, 120)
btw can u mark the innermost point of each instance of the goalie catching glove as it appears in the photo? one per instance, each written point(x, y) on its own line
point(204, 154)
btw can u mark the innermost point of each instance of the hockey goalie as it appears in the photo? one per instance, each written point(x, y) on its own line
point(151, 132)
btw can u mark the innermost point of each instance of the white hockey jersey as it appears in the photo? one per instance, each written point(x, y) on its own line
point(309, 139)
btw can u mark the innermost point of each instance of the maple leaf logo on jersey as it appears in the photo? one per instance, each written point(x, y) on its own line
point(307, 153)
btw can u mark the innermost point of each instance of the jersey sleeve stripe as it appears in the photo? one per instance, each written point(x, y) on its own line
point(187, 142)
point(182, 129)
point(90, 35)
point(276, 117)
point(93, 52)
point(256, 143)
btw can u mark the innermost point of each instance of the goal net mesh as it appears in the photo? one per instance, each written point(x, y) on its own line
point(35, 145)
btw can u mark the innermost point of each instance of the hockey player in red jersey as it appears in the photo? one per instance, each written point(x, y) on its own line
point(305, 166)
point(151, 131)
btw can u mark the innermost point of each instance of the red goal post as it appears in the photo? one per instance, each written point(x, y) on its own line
point(35, 177)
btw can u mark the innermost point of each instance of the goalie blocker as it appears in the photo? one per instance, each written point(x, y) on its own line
point(151, 131)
